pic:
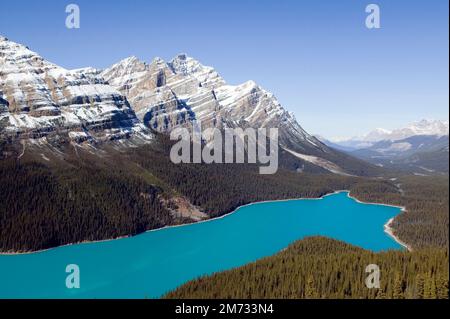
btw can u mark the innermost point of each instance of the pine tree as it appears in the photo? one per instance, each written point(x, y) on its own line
point(381, 294)
point(420, 282)
point(310, 289)
point(397, 291)
point(430, 287)
point(442, 287)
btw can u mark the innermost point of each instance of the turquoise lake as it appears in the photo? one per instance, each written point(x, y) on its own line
point(153, 263)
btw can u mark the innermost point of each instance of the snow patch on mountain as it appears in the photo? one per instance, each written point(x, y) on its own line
point(39, 97)
point(420, 128)
point(168, 95)
point(329, 166)
point(132, 98)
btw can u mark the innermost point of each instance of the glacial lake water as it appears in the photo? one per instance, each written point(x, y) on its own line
point(153, 263)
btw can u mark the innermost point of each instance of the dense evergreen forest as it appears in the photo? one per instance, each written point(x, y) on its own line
point(40, 208)
point(426, 199)
point(81, 196)
point(319, 267)
point(72, 195)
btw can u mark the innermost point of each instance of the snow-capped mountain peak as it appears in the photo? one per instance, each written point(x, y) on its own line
point(38, 99)
point(43, 98)
point(377, 135)
point(158, 60)
point(424, 127)
point(185, 65)
point(166, 95)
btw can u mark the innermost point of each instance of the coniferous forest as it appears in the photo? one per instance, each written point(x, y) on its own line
point(40, 209)
point(318, 267)
point(79, 196)
point(324, 268)
point(85, 197)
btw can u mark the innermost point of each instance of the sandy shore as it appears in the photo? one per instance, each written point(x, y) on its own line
point(387, 227)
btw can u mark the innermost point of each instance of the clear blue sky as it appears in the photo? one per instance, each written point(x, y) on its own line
point(317, 56)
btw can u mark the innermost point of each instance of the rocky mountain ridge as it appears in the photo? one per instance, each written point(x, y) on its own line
point(39, 98)
point(132, 99)
point(170, 94)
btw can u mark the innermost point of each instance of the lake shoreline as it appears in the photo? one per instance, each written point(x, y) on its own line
point(387, 227)
point(389, 230)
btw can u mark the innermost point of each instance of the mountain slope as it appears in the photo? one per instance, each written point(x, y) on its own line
point(39, 98)
point(41, 102)
point(177, 93)
point(419, 154)
point(166, 95)
point(420, 148)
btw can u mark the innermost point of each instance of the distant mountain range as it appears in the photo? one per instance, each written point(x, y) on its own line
point(421, 147)
point(423, 127)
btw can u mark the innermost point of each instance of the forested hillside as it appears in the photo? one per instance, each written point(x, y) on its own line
point(72, 195)
point(318, 267)
point(40, 208)
point(426, 199)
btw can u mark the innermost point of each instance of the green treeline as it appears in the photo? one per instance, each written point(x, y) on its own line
point(42, 208)
point(317, 267)
point(220, 188)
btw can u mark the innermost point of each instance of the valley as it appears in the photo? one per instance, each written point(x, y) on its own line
point(421, 148)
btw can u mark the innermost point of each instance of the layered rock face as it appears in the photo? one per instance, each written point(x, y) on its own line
point(3, 104)
point(131, 98)
point(167, 95)
point(161, 98)
point(38, 98)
